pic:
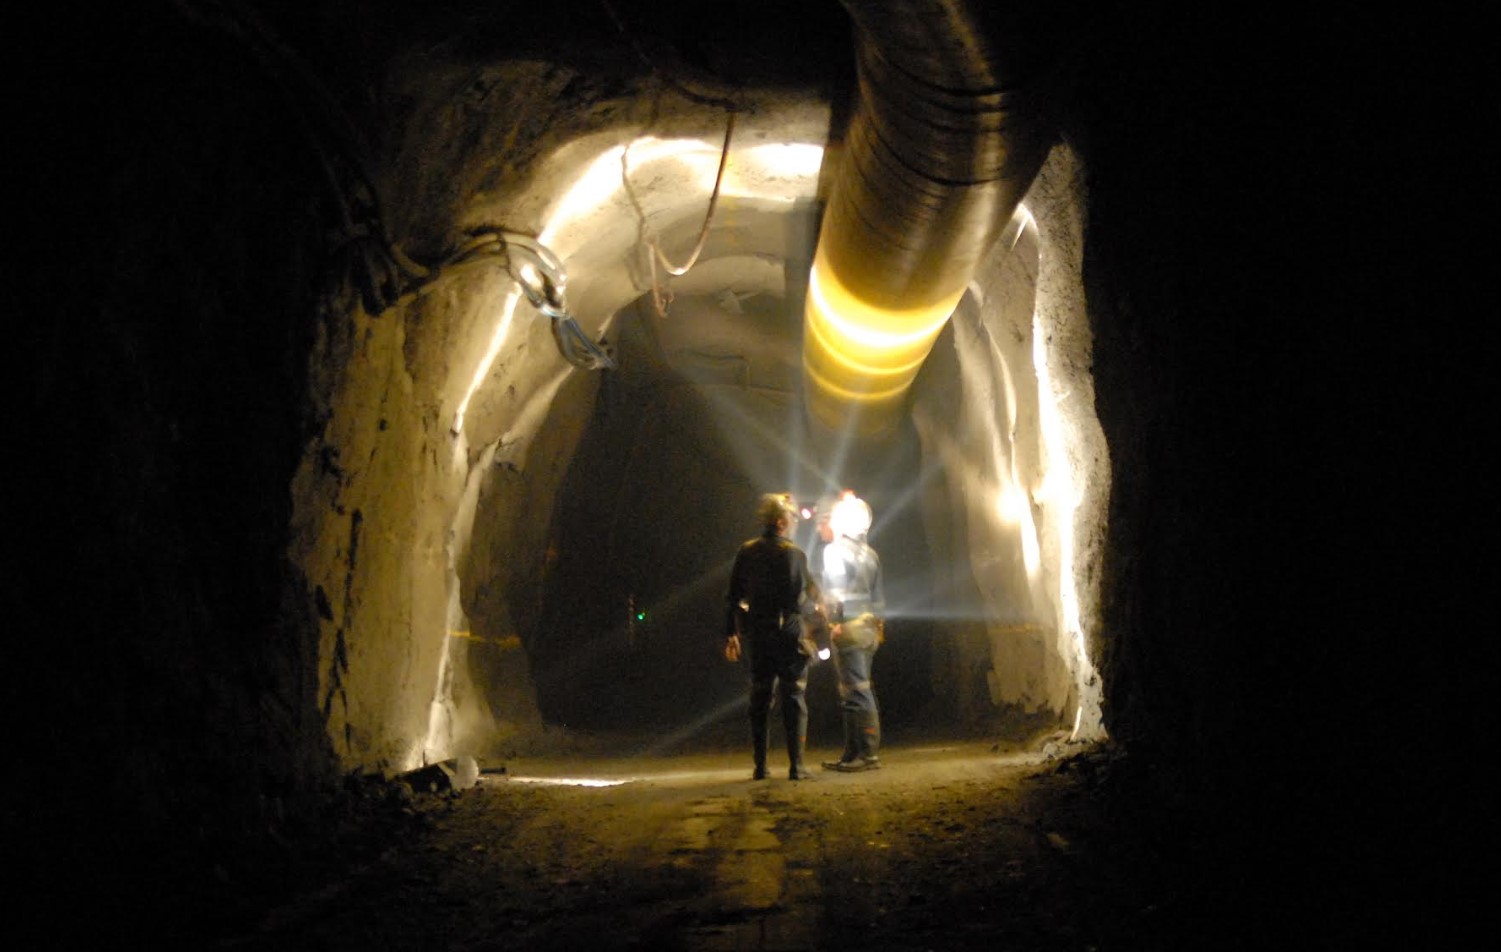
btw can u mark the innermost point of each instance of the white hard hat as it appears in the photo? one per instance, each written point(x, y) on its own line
point(851, 516)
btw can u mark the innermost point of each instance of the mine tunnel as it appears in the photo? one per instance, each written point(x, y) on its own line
point(425, 367)
point(609, 338)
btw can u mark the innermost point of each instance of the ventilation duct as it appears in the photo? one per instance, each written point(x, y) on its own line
point(946, 137)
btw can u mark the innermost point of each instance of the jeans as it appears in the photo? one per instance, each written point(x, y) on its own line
point(855, 650)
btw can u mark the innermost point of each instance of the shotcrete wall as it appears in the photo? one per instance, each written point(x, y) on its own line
point(1014, 447)
point(371, 538)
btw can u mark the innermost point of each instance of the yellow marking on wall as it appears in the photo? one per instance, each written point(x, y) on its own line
point(509, 642)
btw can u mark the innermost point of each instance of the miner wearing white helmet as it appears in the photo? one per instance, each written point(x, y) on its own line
point(850, 576)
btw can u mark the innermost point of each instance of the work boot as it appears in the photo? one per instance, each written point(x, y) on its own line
point(851, 753)
point(795, 744)
point(759, 743)
point(796, 770)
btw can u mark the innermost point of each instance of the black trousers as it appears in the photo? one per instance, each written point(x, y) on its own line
point(778, 666)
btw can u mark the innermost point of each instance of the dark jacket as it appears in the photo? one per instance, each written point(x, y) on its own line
point(770, 589)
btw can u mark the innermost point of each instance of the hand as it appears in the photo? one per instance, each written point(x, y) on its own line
point(732, 648)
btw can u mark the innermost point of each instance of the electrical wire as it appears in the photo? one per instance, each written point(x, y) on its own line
point(540, 275)
point(661, 296)
point(703, 234)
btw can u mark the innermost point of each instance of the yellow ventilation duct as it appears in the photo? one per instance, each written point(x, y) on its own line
point(944, 141)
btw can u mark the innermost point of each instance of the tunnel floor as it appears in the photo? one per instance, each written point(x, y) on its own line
point(949, 846)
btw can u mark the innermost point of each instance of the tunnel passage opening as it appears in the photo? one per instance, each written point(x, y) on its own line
point(440, 554)
point(704, 414)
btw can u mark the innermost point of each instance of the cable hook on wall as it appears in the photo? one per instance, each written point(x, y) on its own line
point(540, 275)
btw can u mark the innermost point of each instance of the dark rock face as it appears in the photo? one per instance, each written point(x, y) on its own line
point(1253, 316)
point(165, 678)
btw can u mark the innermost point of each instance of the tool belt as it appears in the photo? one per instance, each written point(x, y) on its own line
point(862, 631)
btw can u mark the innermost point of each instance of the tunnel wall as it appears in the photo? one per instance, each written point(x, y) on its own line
point(1280, 272)
point(162, 699)
point(505, 568)
point(371, 539)
point(1017, 625)
point(496, 143)
point(1074, 532)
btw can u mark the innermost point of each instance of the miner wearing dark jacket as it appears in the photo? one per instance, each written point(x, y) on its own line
point(772, 603)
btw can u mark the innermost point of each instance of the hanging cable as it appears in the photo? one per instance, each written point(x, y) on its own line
point(662, 297)
point(703, 234)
